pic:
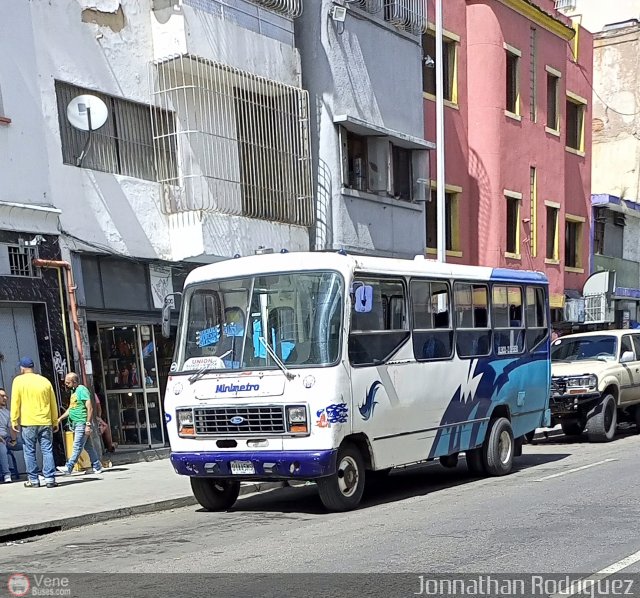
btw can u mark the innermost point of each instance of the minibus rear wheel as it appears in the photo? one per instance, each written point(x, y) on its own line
point(215, 494)
point(499, 448)
point(343, 490)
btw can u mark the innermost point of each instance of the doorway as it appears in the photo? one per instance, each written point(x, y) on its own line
point(131, 385)
point(18, 339)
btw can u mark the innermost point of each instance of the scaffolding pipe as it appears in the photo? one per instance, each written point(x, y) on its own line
point(71, 288)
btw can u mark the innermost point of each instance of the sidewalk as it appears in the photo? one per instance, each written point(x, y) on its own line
point(82, 499)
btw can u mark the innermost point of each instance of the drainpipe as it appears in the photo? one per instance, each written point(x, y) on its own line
point(71, 288)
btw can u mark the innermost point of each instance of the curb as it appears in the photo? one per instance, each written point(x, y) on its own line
point(46, 527)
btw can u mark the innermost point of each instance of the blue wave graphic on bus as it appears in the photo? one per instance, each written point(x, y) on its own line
point(495, 375)
point(366, 410)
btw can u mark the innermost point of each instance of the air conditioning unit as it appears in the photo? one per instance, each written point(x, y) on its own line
point(566, 4)
point(619, 219)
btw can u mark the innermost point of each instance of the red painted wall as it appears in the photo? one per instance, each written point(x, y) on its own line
point(488, 152)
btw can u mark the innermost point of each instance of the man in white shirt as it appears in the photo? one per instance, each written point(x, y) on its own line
point(8, 438)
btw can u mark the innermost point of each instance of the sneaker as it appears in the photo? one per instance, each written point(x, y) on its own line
point(30, 484)
point(98, 471)
point(63, 470)
point(7, 479)
point(52, 484)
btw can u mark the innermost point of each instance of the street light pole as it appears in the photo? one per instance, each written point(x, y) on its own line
point(440, 178)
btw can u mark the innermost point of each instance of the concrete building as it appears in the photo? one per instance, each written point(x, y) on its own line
point(616, 157)
point(361, 63)
point(595, 15)
point(198, 115)
point(517, 159)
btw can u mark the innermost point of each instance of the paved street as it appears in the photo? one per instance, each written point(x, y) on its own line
point(570, 506)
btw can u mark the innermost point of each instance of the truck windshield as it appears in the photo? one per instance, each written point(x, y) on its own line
point(584, 347)
point(227, 324)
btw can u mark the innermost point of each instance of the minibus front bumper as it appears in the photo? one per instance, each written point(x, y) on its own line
point(257, 466)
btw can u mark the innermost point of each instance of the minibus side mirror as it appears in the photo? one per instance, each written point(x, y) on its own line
point(169, 304)
point(363, 302)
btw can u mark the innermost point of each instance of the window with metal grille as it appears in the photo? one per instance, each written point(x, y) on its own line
point(288, 8)
point(21, 261)
point(406, 15)
point(125, 143)
point(371, 6)
point(244, 141)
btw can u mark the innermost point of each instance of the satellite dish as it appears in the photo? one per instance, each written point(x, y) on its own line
point(87, 112)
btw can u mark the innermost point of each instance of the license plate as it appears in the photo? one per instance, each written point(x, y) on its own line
point(242, 467)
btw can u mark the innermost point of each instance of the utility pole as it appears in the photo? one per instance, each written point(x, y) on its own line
point(440, 174)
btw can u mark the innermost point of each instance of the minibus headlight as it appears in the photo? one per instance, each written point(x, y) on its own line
point(297, 419)
point(297, 415)
point(185, 417)
point(185, 422)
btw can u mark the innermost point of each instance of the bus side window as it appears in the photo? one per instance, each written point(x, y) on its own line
point(473, 338)
point(508, 321)
point(376, 335)
point(537, 326)
point(432, 327)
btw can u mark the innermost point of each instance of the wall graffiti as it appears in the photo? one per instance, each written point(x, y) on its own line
point(59, 364)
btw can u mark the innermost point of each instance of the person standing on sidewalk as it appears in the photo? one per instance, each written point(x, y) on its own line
point(8, 439)
point(80, 414)
point(34, 409)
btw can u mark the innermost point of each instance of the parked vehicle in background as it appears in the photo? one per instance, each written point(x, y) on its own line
point(595, 382)
point(335, 368)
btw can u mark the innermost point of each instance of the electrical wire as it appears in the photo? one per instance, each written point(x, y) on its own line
point(583, 70)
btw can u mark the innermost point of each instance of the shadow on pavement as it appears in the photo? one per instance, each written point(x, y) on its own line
point(401, 484)
point(623, 431)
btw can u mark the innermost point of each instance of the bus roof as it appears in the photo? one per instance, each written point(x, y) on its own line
point(272, 263)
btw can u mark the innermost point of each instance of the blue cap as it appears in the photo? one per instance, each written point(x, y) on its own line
point(26, 362)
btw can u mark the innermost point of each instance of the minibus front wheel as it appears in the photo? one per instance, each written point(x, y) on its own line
point(215, 494)
point(343, 490)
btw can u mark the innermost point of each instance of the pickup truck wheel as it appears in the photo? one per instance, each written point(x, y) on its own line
point(572, 427)
point(636, 415)
point(602, 420)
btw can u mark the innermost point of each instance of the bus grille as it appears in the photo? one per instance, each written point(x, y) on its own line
point(248, 420)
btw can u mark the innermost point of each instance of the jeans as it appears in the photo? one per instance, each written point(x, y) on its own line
point(31, 436)
point(6, 453)
point(82, 441)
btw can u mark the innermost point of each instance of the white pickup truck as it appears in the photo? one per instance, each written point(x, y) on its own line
point(595, 382)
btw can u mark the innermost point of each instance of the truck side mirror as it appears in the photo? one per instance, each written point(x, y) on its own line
point(627, 356)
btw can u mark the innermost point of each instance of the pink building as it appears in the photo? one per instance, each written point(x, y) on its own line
point(517, 131)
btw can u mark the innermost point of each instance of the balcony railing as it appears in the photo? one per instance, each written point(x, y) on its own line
point(243, 142)
point(288, 8)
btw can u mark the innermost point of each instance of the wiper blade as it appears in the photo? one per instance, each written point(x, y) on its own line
point(207, 369)
point(275, 358)
point(201, 372)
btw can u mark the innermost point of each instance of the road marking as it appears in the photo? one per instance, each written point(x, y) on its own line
point(557, 475)
point(582, 586)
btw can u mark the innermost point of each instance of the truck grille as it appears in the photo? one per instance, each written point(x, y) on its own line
point(558, 386)
point(249, 420)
